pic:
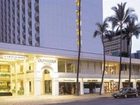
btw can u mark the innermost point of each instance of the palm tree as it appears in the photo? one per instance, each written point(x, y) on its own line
point(102, 30)
point(121, 17)
point(79, 45)
point(131, 29)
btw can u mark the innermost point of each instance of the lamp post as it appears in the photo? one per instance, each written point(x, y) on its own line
point(78, 32)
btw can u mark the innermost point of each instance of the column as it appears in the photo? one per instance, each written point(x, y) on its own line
point(55, 87)
point(121, 84)
point(37, 87)
point(81, 87)
point(134, 84)
point(102, 92)
point(16, 81)
point(37, 79)
point(26, 87)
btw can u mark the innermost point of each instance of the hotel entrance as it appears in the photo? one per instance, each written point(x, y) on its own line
point(47, 86)
point(47, 82)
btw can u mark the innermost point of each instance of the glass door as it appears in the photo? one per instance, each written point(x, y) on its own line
point(47, 86)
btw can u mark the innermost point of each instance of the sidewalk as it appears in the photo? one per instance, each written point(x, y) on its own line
point(46, 99)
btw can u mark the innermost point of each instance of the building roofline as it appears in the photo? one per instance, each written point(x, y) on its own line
point(60, 53)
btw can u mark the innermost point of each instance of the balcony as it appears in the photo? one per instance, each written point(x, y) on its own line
point(29, 3)
point(30, 23)
point(37, 17)
point(37, 28)
point(29, 13)
point(30, 31)
point(23, 17)
point(24, 42)
point(37, 39)
point(23, 35)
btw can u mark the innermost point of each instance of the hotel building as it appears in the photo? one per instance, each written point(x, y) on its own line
point(112, 47)
point(38, 49)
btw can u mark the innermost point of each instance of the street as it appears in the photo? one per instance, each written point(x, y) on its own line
point(103, 101)
point(69, 100)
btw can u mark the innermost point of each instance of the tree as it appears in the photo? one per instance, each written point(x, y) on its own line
point(119, 20)
point(78, 12)
point(132, 29)
point(102, 31)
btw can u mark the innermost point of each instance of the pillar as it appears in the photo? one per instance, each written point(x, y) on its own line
point(26, 87)
point(102, 91)
point(81, 87)
point(134, 84)
point(121, 84)
point(37, 87)
point(55, 87)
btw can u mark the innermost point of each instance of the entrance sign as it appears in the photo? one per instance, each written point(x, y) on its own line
point(45, 60)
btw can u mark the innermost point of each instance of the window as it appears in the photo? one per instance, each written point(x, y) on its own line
point(46, 72)
point(21, 68)
point(71, 66)
point(67, 66)
point(30, 86)
point(111, 69)
point(30, 68)
point(61, 66)
point(124, 67)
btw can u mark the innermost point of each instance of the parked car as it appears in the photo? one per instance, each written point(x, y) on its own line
point(126, 92)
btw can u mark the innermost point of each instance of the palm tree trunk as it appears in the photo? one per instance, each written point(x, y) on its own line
point(104, 62)
point(79, 50)
point(129, 82)
point(120, 69)
point(78, 67)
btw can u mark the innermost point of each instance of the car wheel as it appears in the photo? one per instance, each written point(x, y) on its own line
point(125, 96)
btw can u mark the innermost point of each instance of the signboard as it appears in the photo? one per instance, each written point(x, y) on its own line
point(46, 60)
point(12, 57)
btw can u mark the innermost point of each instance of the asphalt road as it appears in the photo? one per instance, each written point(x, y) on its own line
point(102, 101)
point(69, 100)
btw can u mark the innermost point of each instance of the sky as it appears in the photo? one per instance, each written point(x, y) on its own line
point(135, 4)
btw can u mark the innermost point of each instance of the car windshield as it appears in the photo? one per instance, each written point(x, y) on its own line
point(123, 90)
